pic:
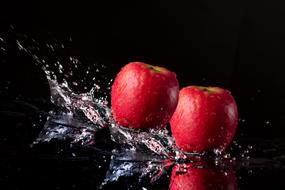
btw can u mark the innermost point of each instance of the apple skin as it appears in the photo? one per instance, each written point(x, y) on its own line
point(202, 179)
point(144, 96)
point(205, 119)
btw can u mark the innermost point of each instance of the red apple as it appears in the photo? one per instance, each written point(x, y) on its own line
point(144, 96)
point(205, 119)
point(202, 179)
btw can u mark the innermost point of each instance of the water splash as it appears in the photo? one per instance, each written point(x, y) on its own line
point(79, 116)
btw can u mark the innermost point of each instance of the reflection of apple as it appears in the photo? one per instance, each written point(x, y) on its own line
point(205, 119)
point(202, 179)
point(144, 96)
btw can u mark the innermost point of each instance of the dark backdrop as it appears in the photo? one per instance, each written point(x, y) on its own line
point(237, 44)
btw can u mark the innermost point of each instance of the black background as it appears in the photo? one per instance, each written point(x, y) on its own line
point(236, 44)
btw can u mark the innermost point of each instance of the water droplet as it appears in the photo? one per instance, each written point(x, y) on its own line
point(20, 47)
point(227, 156)
point(211, 140)
point(218, 152)
point(267, 123)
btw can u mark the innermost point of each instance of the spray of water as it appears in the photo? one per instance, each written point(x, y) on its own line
point(79, 116)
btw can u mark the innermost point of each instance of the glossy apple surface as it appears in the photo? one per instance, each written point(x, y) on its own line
point(144, 96)
point(202, 179)
point(205, 119)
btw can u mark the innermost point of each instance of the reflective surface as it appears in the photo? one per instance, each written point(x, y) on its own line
point(67, 139)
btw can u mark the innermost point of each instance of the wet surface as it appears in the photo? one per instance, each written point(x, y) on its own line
point(57, 166)
point(70, 141)
point(69, 151)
